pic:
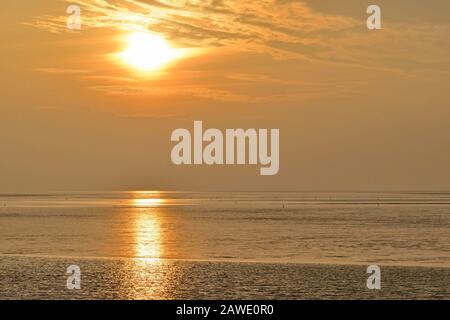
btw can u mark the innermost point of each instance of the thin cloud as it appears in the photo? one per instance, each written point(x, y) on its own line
point(61, 71)
point(281, 29)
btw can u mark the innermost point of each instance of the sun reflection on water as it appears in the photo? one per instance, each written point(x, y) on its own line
point(146, 275)
point(147, 236)
point(148, 202)
point(147, 229)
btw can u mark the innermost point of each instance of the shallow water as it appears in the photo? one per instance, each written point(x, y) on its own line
point(45, 278)
point(244, 244)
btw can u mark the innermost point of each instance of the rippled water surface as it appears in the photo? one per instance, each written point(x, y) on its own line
point(225, 245)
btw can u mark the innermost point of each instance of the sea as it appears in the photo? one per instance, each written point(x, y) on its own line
point(225, 245)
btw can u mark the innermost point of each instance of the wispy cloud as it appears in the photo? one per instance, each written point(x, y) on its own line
point(283, 29)
point(248, 25)
point(108, 78)
point(62, 71)
point(280, 30)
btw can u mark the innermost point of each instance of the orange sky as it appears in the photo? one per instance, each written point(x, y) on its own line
point(357, 109)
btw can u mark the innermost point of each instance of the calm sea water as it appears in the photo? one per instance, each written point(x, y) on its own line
point(166, 245)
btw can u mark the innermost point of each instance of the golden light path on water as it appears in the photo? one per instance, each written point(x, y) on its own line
point(147, 228)
point(147, 277)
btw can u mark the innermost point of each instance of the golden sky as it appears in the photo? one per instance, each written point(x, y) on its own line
point(357, 109)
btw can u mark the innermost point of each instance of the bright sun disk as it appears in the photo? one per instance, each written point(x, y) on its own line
point(147, 52)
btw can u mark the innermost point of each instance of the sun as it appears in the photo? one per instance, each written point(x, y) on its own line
point(147, 52)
